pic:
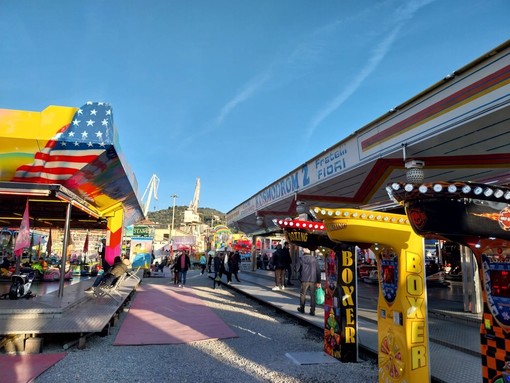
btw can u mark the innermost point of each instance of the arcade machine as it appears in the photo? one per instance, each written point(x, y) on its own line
point(340, 305)
point(478, 216)
point(402, 303)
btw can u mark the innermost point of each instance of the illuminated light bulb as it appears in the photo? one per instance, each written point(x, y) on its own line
point(488, 192)
point(466, 189)
point(507, 195)
point(408, 188)
point(498, 193)
point(478, 190)
point(337, 213)
point(452, 188)
point(437, 188)
point(423, 189)
point(346, 213)
point(389, 189)
point(395, 186)
point(354, 214)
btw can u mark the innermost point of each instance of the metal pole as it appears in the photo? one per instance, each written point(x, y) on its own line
point(63, 260)
point(174, 196)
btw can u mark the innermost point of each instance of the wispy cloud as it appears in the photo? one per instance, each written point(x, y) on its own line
point(244, 94)
point(401, 16)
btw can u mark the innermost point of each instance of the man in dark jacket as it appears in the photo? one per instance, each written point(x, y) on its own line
point(288, 264)
point(182, 265)
point(278, 259)
point(310, 276)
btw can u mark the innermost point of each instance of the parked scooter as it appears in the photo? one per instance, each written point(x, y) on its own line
point(20, 285)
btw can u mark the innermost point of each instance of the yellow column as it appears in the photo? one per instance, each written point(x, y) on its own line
point(114, 234)
point(402, 304)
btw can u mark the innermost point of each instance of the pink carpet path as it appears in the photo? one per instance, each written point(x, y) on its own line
point(163, 314)
point(25, 368)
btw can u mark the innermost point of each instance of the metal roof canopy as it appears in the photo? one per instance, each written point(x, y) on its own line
point(459, 127)
point(47, 207)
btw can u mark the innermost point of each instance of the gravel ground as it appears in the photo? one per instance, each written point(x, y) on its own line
point(257, 355)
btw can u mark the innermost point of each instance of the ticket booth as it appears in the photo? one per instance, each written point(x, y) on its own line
point(402, 303)
point(477, 216)
point(340, 305)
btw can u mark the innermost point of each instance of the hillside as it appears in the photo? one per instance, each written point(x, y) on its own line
point(207, 215)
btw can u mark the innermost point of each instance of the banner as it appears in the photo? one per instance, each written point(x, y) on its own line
point(86, 244)
point(49, 245)
point(23, 239)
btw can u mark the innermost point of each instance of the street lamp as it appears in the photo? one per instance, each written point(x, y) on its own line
point(174, 196)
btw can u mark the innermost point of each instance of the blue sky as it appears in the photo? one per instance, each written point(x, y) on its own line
point(238, 92)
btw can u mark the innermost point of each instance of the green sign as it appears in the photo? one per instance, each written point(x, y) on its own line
point(141, 231)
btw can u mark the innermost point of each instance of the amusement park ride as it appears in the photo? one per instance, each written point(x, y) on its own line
point(150, 191)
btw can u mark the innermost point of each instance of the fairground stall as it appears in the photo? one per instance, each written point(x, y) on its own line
point(403, 344)
point(477, 216)
point(341, 301)
point(63, 168)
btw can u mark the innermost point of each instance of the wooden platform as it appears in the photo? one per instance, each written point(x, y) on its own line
point(75, 313)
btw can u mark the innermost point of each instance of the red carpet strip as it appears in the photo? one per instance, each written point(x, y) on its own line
point(25, 368)
point(162, 314)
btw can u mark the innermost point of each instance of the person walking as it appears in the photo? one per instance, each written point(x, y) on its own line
point(209, 262)
point(310, 277)
point(182, 265)
point(288, 265)
point(203, 264)
point(279, 268)
point(234, 263)
point(227, 267)
point(217, 263)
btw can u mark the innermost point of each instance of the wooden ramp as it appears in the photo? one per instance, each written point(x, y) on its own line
point(76, 312)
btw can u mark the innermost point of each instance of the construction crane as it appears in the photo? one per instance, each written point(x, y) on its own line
point(150, 191)
point(191, 213)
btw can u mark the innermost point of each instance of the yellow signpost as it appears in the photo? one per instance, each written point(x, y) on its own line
point(402, 303)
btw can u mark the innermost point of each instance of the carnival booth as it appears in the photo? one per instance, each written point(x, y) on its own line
point(341, 303)
point(403, 349)
point(63, 168)
point(477, 216)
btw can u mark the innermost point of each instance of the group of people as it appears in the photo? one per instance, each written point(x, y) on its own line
point(308, 270)
point(282, 263)
point(225, 263)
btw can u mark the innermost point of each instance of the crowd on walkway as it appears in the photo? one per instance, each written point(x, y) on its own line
point(224, 267)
